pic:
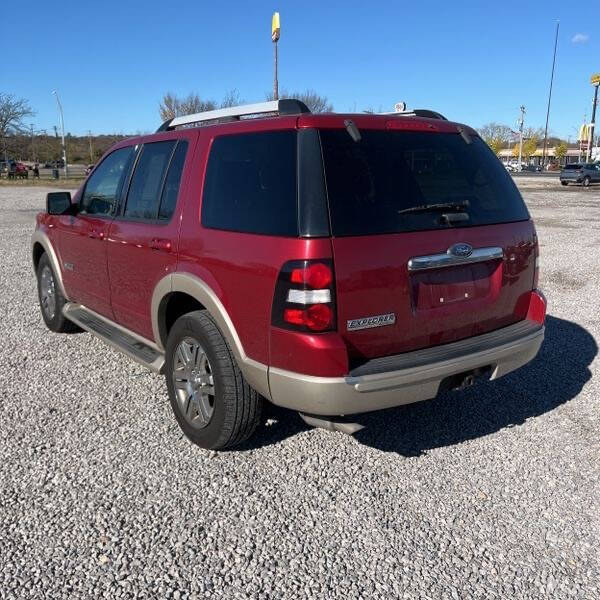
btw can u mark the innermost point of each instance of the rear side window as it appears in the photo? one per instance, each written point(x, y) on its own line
point(371, 183)
point(572, 166)
point(250, 184)
point(146, 185)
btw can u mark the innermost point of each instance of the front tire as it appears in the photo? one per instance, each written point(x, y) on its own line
point(51, 299)
point(564, 183)
point(586, 182)
point(212, 402)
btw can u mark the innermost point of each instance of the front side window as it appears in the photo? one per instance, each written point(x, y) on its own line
point(171, 188)
point(104, 186)
point(143, 199)
point(250, 184)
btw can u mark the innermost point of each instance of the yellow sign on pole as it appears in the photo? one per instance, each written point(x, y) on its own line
point(595, 79)
point(584, 133)
point(275, 27)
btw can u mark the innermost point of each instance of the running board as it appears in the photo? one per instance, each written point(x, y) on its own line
point(133, 345)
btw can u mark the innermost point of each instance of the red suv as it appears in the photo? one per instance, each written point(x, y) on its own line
point(332, 264)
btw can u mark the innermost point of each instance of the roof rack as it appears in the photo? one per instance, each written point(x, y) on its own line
point(235, 113)
point(419, 112)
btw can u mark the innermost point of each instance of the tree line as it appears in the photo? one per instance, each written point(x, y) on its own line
point(172, 106)
point(19, 142)
point(499, 137)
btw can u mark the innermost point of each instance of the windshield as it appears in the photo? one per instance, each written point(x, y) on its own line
point(374, 183)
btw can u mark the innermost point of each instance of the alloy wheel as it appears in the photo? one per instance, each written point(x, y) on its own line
point(194, 383)
point(48, 292)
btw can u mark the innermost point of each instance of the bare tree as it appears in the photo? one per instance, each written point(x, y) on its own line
point(168, 107)
point(12, 112)
point(231, 98)
point(194, 104)
point(533, 132)
point(315, 102)
point(496, 133)
point(171, 106)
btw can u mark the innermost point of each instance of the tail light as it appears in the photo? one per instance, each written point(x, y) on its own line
point(536, 255)
point(304, 297)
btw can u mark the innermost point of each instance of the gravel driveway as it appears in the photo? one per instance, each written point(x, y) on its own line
point(491, 492)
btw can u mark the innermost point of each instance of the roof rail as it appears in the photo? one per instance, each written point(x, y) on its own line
point(287, 106)
point(419, 112)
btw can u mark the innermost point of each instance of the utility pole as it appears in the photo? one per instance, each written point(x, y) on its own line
point(56, 136)
point(595, 81)
point(581, 134)
point(275, 34)
point(91, 150)
point(550, 97)
point(32, 145)
point(521, 123)
point(62, 127)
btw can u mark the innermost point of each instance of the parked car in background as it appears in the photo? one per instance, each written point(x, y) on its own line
point(262, 253)
point(583, 173)
point(532, 168)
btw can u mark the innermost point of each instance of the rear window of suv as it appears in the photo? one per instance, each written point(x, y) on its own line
point(371, 181)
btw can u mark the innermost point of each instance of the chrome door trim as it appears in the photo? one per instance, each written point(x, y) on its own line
point(438, 261)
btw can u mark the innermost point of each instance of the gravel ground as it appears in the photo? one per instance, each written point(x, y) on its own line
point(489, 493)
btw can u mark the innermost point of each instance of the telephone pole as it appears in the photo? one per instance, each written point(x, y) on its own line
point(550, 97)
point(32, 145)
point(595, 81)
point(521, 123)
point(91, 150)
point(62, 127)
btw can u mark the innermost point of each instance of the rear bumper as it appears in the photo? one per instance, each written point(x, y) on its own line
point(410, 377)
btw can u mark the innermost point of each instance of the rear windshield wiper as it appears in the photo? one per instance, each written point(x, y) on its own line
point(457, 206)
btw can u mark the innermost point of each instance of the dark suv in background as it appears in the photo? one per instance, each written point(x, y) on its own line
point(583, 173)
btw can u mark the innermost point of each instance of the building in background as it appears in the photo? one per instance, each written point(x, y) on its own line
point(573, 155)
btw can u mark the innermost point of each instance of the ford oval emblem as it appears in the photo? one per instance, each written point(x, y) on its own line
point(461, 250)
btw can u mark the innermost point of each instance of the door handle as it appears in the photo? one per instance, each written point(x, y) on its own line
point(96, 235)
point(158, 244)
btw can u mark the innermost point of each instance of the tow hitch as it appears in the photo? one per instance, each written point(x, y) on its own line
point(461, 381)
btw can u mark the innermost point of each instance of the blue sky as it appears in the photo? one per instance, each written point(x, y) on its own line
point(473, 61)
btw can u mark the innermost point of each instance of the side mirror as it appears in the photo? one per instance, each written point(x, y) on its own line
point(59, 203)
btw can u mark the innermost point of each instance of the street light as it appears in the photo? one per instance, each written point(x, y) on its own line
point(521, 122)
point(62, 127)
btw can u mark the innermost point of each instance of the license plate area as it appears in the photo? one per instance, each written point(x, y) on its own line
point(437, 288)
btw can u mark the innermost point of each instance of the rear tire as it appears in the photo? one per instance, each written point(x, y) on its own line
point(586, 182)
point(51, 299)
point(564, 183)
point(212, 402)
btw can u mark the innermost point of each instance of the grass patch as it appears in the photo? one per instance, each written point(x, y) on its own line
point(71, 183)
